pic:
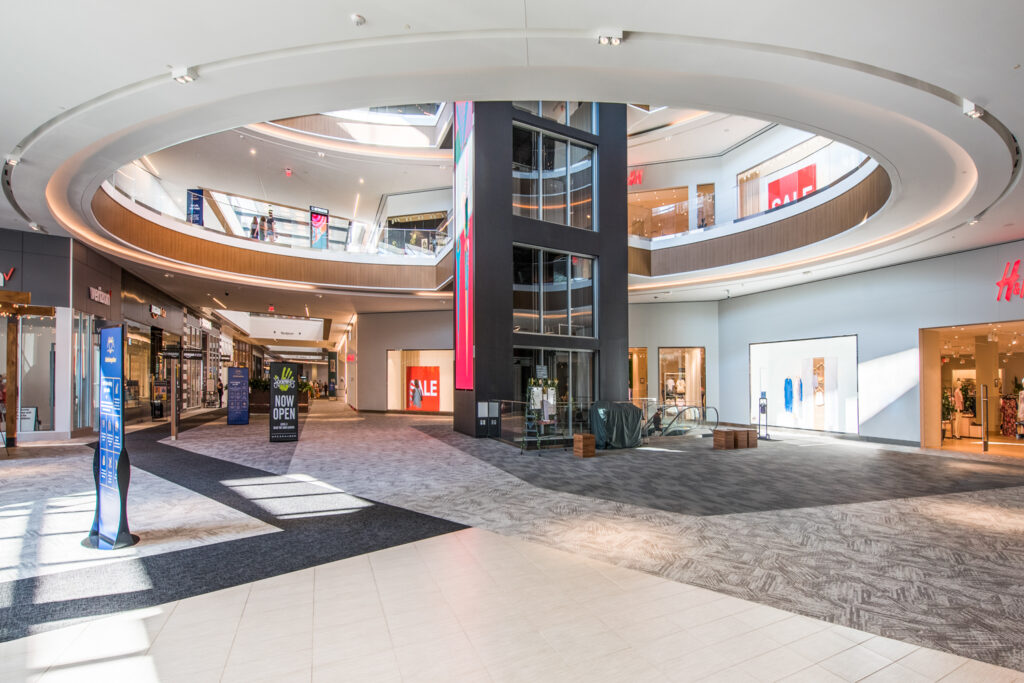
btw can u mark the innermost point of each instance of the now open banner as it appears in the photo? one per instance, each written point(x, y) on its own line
point(284, 402)
point(422, 388)
point(792, 187)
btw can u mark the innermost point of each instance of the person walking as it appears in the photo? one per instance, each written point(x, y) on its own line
point(263, 228)
point(254, 228)
point(220, 394)
point(271, 226)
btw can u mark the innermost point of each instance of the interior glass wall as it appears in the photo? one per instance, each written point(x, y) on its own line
point(553, 292)
point(579, 115)
point(552, 178)
point(682, 375)
point(85, 354)
point(573, 373)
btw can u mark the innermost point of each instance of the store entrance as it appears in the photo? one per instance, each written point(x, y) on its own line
point(961, 364)
point(638, 373)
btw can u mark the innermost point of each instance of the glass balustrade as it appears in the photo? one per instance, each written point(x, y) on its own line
point(248, 219)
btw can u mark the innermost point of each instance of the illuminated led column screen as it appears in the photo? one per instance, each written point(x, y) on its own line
point(464, 245)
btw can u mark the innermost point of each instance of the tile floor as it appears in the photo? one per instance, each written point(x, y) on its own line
point(472, 606)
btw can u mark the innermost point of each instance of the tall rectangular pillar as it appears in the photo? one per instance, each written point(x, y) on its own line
point(488, 228)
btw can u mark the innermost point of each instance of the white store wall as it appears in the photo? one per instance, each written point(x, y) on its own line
point(677, 324)
point(380, 332)
point(885, 308)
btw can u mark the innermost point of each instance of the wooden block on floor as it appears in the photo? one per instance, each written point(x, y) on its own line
point(751, 438)
point(725, 439)
point(583, 446)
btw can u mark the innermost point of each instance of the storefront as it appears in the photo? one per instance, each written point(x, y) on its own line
point(41, 266)
point(682, 376)
point(808, 384)
point(420, 380)
point(153, 322)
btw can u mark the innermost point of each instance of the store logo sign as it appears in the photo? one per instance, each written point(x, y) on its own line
point(157, 312)
point(6, 277)
point(1010, 285)
point(636, 177)
point(792, 187)
point(285, 381)
point(99, 296)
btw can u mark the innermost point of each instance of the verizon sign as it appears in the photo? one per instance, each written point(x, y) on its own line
point(792, 187)
point(99, 296)
point(6, 277)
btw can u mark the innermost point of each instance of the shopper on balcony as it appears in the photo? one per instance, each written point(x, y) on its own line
point(254, 228)
point(271, 230)
point(263, 228)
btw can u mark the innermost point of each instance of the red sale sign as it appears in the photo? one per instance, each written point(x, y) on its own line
point(791, 187)
point(423, 388)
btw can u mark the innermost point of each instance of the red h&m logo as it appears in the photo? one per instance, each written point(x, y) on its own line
point(1010, 284)
point(636, 177)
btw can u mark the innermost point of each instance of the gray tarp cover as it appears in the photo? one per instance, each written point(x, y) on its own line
point(616, 425)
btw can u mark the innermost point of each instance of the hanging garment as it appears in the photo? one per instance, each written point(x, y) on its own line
point(800, 392)
point(1008, 405)
point(958, 400)
point(787, 394)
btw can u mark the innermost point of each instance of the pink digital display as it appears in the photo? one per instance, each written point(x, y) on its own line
point(464, 245)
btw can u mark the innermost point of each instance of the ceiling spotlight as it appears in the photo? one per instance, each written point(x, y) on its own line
point(973, 221)
point(184, 75)
point(321, 155)
point(609, 38)
point(35, 226)
point(252, 151)
point(360, 181)
point(972, 110)
point(12, 160)
point(358, 19)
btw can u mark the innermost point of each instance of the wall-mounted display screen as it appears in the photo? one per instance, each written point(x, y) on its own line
point(809, 384)
point(464, 245)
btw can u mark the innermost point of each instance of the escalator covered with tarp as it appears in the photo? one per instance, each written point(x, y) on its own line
point(616, 425)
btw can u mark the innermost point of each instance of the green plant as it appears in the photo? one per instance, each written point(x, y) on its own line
point(947, 405)
point(259, 383)
point(305, 386)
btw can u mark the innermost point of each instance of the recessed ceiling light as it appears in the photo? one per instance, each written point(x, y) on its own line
point(184, 75)
point(360, 181)
point(358, 19)
point(973, 221)
point(321, 155)
point(252, 151)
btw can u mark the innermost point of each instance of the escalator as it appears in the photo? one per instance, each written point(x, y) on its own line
point(685, 421)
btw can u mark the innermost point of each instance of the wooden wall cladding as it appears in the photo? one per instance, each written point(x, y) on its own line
point(827, 220)
point(156, 239)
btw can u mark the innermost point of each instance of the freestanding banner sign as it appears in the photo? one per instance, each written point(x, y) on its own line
point(318, 219)
point(284, 402)
point(332, 373)
point(111, 469)
point(195, 206)
point(238, 396)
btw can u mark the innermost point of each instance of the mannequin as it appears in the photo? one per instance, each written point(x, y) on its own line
point(958, 407)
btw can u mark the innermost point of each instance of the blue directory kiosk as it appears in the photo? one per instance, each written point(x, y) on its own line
point(110, 466)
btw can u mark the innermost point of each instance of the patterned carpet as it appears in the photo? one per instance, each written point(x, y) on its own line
point(686, 476)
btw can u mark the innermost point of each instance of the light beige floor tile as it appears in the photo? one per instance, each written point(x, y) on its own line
point(889, 648)
point(775, 664)
point(896, 673)
point(794, 628)
point(973, 671)
point(372, 669)
point(855, 663)
point(813, 674)
point(820, 646)
point(932, 663)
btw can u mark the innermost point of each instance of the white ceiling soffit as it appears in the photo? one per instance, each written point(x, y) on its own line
point(709, 135)
point(837, 71)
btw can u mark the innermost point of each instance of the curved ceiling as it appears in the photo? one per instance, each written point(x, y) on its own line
point(839, 72)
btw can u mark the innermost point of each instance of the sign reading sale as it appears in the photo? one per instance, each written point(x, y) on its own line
point(422, 388)
point(792, 187)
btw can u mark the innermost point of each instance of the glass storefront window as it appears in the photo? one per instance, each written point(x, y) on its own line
point(525, 290)
point(38, 349)
point(556, 302)
point(421, 380)
point(656, 213)
point(581, 115)
point(82, 382)
point(137, 368)
point(681, 373)
point(525, 173)
point(705, 205)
